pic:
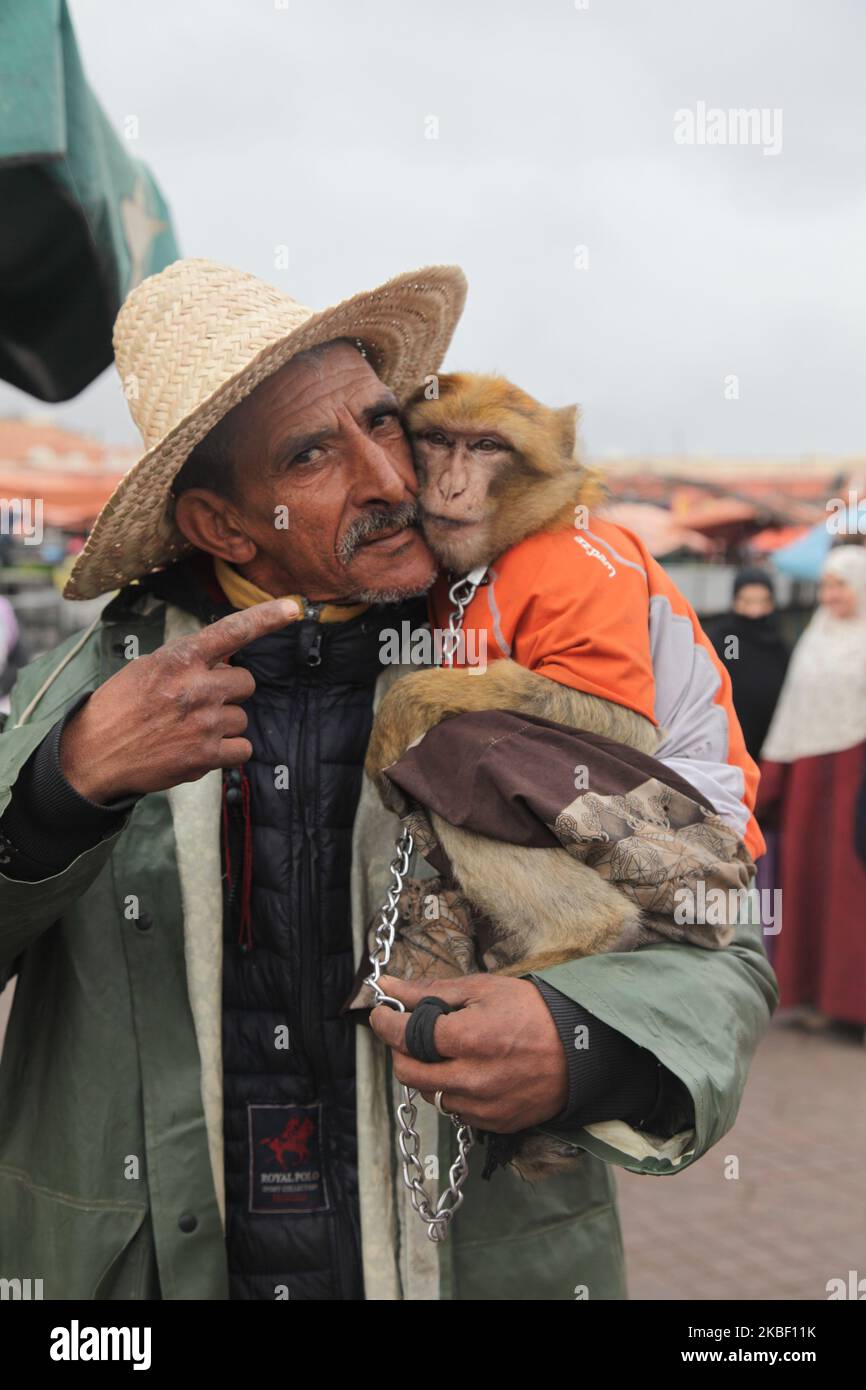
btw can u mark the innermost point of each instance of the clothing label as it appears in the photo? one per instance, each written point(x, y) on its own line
point(285, 1159)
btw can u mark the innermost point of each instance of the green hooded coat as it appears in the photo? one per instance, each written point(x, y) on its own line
point(111, 1079)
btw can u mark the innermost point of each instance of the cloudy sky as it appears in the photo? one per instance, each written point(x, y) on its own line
point(304, 123)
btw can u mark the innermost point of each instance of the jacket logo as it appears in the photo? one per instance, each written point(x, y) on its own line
point(286, 1164)
point(293, 1140)
point(596, 554)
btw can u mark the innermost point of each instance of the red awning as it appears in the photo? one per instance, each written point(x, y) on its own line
point(714, 514)
point(765, 542)
point(70, 500)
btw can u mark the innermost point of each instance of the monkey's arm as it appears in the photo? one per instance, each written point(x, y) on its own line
point(418, 701)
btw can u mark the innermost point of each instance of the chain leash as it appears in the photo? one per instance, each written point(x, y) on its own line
point(438, 1218)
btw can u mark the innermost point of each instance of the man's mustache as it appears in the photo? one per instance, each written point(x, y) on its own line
point(372, 524)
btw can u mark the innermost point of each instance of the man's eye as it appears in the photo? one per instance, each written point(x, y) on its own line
point(306, 455)
point(388, 417)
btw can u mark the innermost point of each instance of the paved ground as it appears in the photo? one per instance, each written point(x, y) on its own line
point(796, 1215)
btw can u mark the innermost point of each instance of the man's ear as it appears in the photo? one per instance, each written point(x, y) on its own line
point(211, 523)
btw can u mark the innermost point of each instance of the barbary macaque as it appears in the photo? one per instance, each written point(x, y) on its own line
point(495, 467)
point(500, 482)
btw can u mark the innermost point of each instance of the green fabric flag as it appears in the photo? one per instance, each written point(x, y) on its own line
point(81, 221)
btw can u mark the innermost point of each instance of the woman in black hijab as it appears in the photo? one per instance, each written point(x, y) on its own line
point(748, 641)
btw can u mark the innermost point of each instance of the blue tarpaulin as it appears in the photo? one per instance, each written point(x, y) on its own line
point(804, 558)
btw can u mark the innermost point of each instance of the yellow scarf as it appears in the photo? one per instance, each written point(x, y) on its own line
point(243, 593)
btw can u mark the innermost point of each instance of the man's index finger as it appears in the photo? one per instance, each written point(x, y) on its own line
point(226, 636)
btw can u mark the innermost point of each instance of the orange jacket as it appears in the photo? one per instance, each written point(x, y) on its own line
point(590, 607)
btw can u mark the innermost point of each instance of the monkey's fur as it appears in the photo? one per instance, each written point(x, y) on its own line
point(550, 908)
point(495, 467)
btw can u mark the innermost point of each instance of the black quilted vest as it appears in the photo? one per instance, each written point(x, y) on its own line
point(292, 1223)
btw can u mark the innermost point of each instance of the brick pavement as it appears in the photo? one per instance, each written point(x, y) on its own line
point(796, 1215)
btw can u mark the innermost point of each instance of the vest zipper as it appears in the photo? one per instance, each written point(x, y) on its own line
point(310, 975)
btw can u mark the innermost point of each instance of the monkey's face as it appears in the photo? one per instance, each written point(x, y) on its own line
point(458, 471)
point(493, 466)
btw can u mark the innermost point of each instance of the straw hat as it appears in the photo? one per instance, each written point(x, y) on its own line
point(193, 341)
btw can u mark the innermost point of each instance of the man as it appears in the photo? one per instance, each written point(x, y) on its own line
point(190, 863)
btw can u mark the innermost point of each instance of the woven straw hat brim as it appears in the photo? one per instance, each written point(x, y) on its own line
point(405, 325)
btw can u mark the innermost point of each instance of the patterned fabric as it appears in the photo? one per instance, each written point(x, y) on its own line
point(511, 778)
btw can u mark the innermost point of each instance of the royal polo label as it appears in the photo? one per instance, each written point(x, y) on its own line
point(285, 1159)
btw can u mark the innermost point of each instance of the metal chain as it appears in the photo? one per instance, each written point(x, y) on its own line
point(461, 594)
point(437, 1218)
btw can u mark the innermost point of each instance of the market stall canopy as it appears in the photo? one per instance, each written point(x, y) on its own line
point(83, 222)
point(659, 531)
point(775, 537)
point(710, 515)
point(63, 477)
point(68, 500)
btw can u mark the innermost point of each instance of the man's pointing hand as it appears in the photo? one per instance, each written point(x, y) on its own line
point(172, 716)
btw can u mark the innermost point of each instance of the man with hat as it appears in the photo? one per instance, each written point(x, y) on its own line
point(189, 861)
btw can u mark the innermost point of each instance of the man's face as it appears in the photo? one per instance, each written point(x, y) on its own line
point(324, 487)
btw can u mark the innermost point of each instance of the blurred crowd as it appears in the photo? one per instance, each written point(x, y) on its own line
point(803, 714)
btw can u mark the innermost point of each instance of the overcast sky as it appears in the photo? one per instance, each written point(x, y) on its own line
point(305, 126)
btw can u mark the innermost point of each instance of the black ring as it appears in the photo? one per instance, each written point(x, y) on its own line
point(419, 1029)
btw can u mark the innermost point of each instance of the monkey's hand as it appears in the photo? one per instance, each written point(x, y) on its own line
point(418, 701)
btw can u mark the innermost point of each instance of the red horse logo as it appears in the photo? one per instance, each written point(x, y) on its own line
point(293, 1140)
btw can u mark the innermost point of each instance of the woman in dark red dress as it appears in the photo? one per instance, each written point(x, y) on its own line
point(812, 767)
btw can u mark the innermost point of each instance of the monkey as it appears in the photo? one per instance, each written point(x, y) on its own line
point(496, 466)
point(496, 469)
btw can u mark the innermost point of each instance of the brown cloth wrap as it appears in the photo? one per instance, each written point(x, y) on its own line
point(530, 782)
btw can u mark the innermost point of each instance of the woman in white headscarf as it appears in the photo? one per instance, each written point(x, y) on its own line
point(812, 764)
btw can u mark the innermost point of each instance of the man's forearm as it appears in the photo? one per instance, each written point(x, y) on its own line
point(610, 1077)
point(47, 823)
point(701, 1013)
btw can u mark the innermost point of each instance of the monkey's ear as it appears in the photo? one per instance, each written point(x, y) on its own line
point(567, 417)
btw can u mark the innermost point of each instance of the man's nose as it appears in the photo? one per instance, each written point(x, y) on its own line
point(380, 474)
